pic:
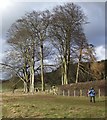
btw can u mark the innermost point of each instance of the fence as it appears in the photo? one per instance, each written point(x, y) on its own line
point(78, 93)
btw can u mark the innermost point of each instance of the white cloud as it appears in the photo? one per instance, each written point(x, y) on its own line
point(94, 32)
point(100, 52)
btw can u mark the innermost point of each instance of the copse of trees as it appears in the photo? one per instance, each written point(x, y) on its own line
point(66, 28)
point(29, 36)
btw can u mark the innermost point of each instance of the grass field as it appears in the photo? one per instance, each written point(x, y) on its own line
point(51, 106)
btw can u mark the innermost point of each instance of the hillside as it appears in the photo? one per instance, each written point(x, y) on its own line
point(85, 86)
point(11, 84)
point(54, 78)
point(89, 72)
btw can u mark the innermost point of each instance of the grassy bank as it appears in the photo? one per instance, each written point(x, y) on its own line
point(49, 106)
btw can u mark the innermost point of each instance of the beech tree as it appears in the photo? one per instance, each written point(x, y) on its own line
point(38, 23)
point(29, 34)
point(66, 22)
point(18, 57)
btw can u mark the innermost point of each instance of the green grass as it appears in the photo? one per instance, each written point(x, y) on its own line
point(51, 106)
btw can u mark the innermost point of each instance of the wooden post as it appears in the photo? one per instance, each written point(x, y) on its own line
point(99, 93)
point(80, 92)
point(68, 93)
point(74, 93)
point(63, 93)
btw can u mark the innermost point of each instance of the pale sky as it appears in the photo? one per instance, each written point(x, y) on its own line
point(12, 10)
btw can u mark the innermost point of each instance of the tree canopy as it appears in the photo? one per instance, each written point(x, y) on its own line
point(41, 36)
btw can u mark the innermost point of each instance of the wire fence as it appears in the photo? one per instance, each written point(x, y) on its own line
point(81, 92)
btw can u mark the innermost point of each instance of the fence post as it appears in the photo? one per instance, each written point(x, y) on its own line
point(74, 93)
point(80, 92)
point(68, 93)
point(99, 93)
point(63, 93)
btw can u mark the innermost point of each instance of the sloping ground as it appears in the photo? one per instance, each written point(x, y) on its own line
point(10, 84)
point(51, 106)
point(85, 86)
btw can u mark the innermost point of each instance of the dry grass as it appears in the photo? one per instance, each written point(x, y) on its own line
point(51, 106)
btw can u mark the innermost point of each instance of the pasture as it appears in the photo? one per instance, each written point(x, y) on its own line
point(42, 105)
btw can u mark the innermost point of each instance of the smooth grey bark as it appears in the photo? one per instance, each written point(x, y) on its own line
point(65, 72)
point(31, 80)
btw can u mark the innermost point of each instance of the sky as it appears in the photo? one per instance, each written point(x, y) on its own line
point(11, 10)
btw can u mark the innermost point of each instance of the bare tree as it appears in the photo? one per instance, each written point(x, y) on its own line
point(38, 23)
point(66, 21)
point(29, 34)
point(18, 38)
point(86, 53)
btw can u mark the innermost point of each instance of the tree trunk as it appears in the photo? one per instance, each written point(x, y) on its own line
point(77, 74)
point(65, 72)
point(26, 89)
point(26, 84)
point(78, 66)
point(32, 79)
point(62, 74)
point(66, 60)
point(42, 68)
point(68, 56)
